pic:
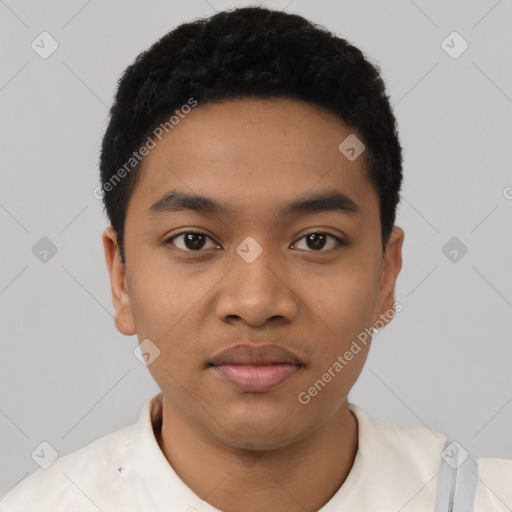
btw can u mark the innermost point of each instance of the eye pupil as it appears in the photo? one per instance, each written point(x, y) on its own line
point(191, 241)
point(318, 240)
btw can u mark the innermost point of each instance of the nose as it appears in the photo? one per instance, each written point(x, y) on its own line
point(257, 292)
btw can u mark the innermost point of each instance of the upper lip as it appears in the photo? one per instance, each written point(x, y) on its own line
point(257, 355)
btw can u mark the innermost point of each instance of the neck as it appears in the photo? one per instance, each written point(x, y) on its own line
point(297, 477)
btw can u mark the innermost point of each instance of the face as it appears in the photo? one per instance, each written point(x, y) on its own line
point(247, 268)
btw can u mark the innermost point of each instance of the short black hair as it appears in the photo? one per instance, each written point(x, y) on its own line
point(250, 52)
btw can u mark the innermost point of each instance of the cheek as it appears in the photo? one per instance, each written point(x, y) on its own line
point(342, 310)
point(165, 305)
point(342, 334)
point(160, 299)
point(344, 302)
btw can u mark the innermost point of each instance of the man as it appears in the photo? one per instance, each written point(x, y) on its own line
point(251, 172)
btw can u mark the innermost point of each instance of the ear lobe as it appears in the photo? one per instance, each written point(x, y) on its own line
point(123, 315)
point(391, 266)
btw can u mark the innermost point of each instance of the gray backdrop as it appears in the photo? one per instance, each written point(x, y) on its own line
point(68, 376)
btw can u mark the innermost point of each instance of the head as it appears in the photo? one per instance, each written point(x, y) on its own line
point(251, 172)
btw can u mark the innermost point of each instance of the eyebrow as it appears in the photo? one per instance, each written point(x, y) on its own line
point(330, 201)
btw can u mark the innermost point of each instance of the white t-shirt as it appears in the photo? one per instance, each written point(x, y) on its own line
point(395, 469)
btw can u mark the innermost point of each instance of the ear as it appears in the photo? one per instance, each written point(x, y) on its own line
point(123, 315)
point(391, 265)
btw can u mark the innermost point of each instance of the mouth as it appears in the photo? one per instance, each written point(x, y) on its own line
point(255, 368)
point(256, 379)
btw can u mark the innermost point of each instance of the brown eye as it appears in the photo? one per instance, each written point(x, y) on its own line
point(318, 241)
point(191, 241)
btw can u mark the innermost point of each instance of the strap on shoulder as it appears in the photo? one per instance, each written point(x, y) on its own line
point(457, 480)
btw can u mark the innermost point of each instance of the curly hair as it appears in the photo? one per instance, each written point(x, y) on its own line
point(251, 52)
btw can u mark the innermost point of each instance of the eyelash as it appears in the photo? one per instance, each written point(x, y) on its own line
point(339, 242)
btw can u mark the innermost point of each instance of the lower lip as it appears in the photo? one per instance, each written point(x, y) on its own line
point(254, 379)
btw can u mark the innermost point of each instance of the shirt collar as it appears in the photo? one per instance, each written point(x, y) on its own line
point(157, 485)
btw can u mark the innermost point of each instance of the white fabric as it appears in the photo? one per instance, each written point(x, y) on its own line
point(395, 469)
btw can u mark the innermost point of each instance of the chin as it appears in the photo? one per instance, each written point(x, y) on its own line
point(256, 429)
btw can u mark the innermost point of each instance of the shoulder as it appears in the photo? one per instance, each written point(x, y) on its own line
point(395, 465)
point(75, 481)
point(411, 454)
point(410, 442)
point(494, 491)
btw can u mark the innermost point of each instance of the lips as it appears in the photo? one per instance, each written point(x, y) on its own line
point(256, 355)
point(255, 368)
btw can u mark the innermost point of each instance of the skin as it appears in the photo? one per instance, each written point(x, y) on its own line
point(254, 451)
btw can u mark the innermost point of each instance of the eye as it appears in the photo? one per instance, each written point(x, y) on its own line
point(195, 241)
point(191, 241)
point(317, 241)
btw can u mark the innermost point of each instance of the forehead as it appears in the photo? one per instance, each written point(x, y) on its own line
point(253, 154)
